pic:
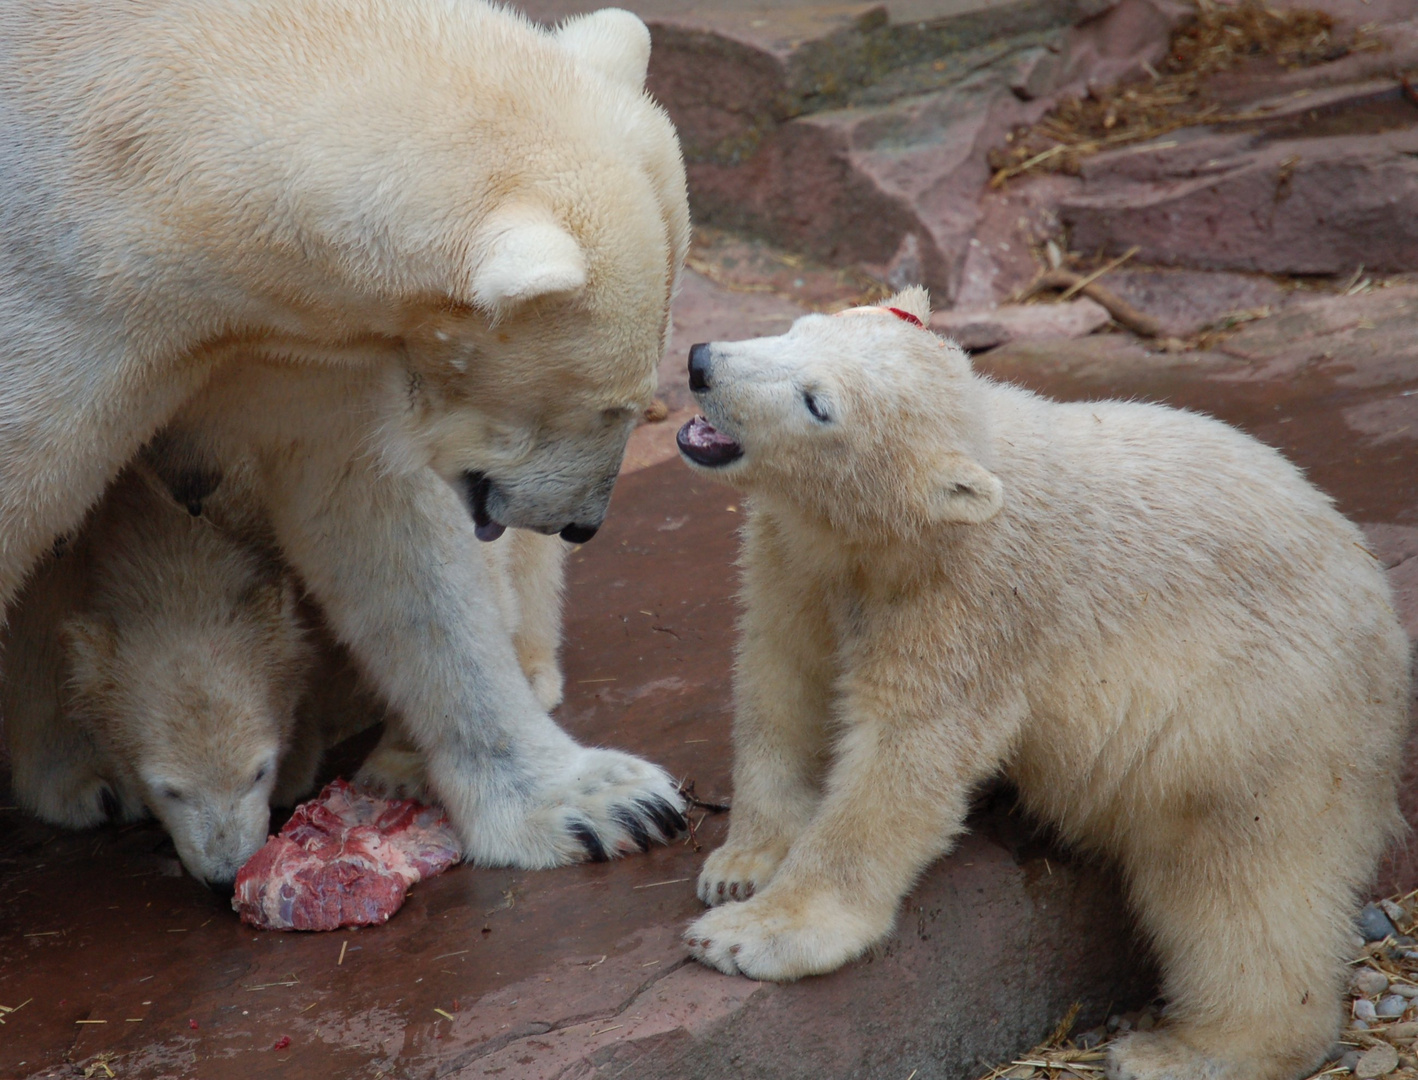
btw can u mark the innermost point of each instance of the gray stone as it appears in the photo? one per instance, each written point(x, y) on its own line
point(1364, 1010)
point(1374, 924)
point(1370, 982)
point(1349, 1060)
point(1391, 1007)
point(1375, 1062)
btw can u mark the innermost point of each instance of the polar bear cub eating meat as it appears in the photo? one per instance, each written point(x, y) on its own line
point(154, 667)
point(1173, 644)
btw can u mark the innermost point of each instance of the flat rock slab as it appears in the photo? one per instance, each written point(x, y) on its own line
point(985, 328)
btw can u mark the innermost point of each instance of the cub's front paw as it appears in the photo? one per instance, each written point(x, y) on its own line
point(782, 939)
point(394, 773)
point(736, 873)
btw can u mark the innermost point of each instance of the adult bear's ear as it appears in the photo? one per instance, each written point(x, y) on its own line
point(963, 490)
point(614, 42)
point(519, 253)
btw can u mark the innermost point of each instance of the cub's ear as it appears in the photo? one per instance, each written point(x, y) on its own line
point(964, 491)
point(89, 646)
point(915, 301)
point(614, 42)
point(520, 253)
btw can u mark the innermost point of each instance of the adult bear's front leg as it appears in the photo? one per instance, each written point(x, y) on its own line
point(390, 556)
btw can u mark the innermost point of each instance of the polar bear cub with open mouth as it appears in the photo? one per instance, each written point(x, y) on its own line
point(1173, 644)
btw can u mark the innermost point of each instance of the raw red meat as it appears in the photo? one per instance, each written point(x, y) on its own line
point(344, 858)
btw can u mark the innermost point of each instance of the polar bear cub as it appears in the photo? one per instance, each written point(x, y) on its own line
point(155, 669)
point(1173, 644)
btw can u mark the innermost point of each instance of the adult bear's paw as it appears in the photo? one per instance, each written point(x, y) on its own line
point(737, 872)
point(599, 805)
point(781, 938)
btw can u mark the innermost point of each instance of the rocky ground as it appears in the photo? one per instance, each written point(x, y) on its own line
point(1106, 198)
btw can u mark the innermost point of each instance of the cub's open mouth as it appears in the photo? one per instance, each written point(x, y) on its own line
point(704, 445)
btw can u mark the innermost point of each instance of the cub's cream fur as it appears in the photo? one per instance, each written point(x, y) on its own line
point(1173, 644)
point(155, 667)
point(420, 255)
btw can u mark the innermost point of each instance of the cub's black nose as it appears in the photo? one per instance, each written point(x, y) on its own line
point(699, 367)
point(578, 534)
point(225, 889)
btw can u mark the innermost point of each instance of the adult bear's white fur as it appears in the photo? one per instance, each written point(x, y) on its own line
point(1169, 640)
point(482, 219)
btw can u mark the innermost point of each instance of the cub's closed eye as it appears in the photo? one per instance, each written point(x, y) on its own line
point(815, 407)
point(261, 774)
point(167, 791)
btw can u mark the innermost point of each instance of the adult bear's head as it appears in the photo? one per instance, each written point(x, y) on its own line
point(864, 421)
point(497, 208)
point(540, 366)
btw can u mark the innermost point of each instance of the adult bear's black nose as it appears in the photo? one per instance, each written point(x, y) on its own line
point(699, 367)
point(578, 534)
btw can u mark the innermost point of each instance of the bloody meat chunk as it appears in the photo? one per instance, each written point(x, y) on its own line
point(345, 858)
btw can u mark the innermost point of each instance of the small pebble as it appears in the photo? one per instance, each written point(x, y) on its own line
point(1370, 982)
point(1391, 1006)
point(1378, 1061)
point(1394, 911)
point(1358, 1025)
point(1408, 1061)
point(1089, 1039)
point(1374, 924)
point(1408, 990)
point(1402, 1032)
point(1146, 1022)
point(1349, 1060)
point(1364, 1010)
point(1114, 1022)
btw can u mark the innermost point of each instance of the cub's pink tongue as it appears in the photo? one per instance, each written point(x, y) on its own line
point(704, 444)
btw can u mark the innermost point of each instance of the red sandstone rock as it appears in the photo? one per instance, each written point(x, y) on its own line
point(978, 328)
point(1232, 202)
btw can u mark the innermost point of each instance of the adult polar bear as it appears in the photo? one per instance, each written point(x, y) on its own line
point(432, 190)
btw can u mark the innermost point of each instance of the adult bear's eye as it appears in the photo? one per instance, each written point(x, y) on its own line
point(815, 407)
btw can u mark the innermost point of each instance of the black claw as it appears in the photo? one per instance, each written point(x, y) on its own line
point(108, 801)
point(595, 850)
point(667, 819)
point(630, 821)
